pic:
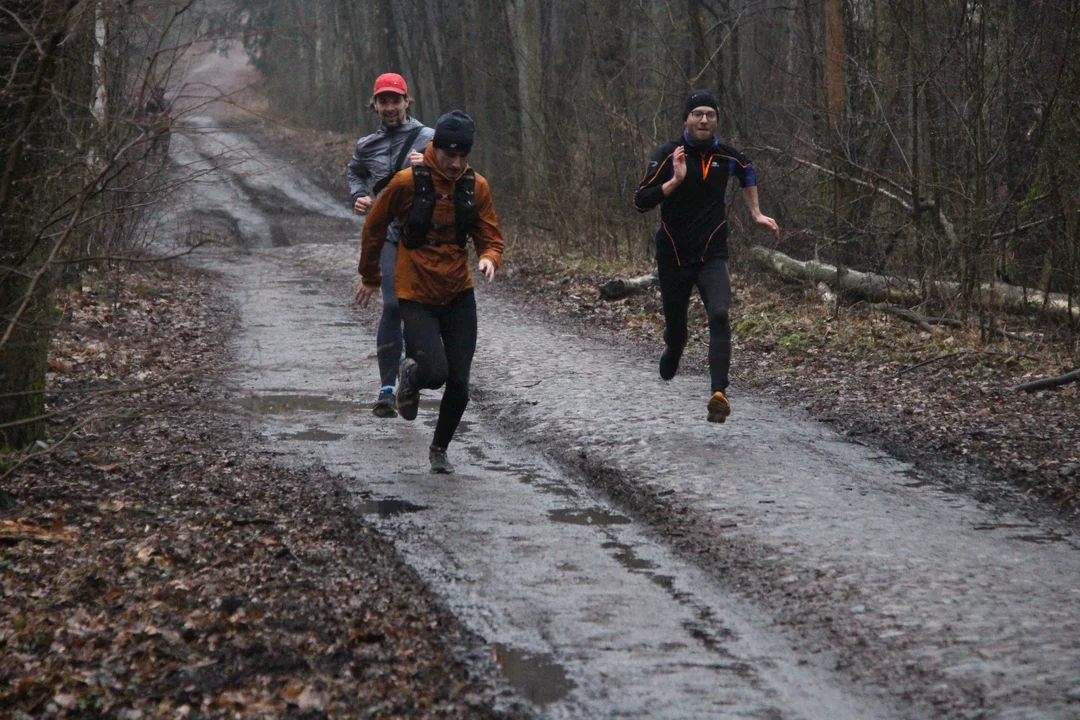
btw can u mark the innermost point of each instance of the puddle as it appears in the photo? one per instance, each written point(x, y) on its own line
point(537, 677)
point(626, 557)
point(590, 516)
point(280, 404)
point(313, 435)
point(463, 427)
point(1040, 539)
point(389, 507)
point(665, 581)
point(557, 489)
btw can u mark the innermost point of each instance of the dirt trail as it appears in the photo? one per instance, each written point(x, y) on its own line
point(764, 568)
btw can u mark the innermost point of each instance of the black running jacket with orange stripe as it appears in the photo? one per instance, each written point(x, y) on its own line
point(693, 223)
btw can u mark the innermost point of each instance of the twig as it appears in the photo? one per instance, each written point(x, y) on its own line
point(904, 314)
point(926, 322)
point(931, 360)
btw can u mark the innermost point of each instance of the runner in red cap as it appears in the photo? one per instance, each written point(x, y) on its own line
point(397, 143)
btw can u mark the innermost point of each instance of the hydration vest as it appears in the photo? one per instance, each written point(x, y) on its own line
point(419, 225)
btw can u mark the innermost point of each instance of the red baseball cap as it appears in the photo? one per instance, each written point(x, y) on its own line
point(390, 82)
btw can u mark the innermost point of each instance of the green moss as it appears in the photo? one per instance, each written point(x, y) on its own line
point(747, 327)
point(794, 341)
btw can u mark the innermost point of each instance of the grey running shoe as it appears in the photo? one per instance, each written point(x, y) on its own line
point(408, 397)
point(719, 408)
point(439, 463)
point(669, 362)
point(384, 406)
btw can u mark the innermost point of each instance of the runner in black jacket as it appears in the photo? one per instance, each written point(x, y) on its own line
point(688, 178)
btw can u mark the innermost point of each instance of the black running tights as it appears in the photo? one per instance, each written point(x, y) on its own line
point(442, 340)
point(714, 285)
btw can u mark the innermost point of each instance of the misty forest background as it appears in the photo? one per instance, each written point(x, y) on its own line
point(922, 138)
point(930, 140)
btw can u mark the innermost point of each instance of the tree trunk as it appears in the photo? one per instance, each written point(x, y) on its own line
point(526, 29)
point(26, 306)
point(836, 93)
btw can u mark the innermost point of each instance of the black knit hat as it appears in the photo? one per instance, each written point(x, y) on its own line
point(454, 131)
point(699, 98)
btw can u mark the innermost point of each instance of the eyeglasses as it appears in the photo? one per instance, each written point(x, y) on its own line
point(700, 115)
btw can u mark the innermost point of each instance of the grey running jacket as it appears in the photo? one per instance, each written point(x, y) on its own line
point(375, 153)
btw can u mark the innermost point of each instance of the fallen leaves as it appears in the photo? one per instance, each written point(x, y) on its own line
point(151, 569)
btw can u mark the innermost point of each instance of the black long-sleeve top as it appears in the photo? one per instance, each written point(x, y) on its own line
point(693, 223)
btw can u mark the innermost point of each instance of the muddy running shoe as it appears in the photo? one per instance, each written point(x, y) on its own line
point(408, 397)
point(439, 463)
point(384, 406)
point(669, 362)
point(719, 408)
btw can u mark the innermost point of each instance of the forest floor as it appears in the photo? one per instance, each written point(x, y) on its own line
point(153, 565)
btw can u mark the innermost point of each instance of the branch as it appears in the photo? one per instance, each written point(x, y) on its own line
point(843, 176)
point(924, 363)
point(1034, 385)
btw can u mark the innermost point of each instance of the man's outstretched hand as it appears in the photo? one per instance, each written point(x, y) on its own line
point(766, 221)
point(488, 268)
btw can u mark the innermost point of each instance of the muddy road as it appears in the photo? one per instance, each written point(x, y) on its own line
point(621, 556)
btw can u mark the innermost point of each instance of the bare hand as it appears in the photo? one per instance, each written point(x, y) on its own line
point(488, 268)
point(678, 170)
point(766, 221)
point(416, 158)
point(362, 205)
point(678, 163)
point(364, 293)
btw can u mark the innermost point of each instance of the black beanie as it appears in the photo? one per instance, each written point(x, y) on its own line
point(454, 131)
point(699, 98)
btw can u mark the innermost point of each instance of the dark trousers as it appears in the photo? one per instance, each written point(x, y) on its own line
point(714, 285)
point(442, 340)
point(388, 338)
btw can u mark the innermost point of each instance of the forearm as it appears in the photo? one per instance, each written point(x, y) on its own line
point(358, 178)
point(646, 198)
point(751, 195)
point(670, 186)
point(370, 252)
point(487, 235)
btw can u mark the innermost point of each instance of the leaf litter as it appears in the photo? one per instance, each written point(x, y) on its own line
point(157, 563)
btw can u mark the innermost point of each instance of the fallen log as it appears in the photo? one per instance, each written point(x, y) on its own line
point(622, 287)
point(882, 288)
point(1069, 377)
